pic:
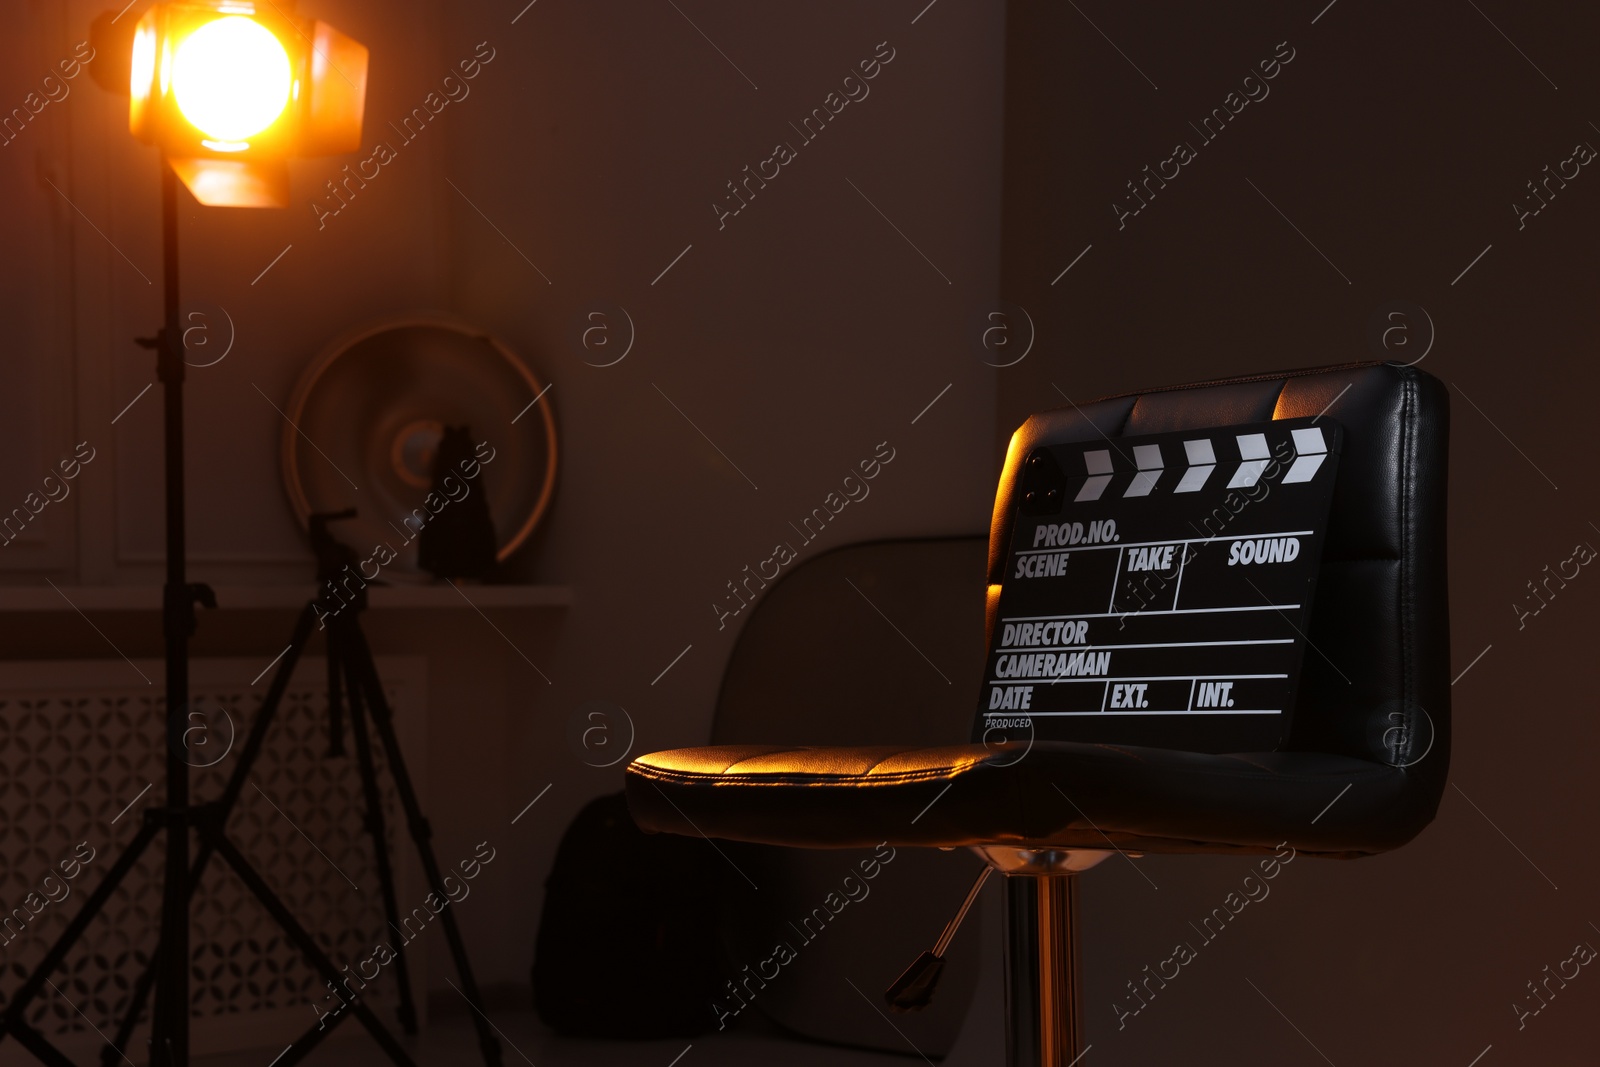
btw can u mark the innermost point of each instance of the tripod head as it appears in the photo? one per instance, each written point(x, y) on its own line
point(338, 564)
point(332, 554)
point(334, 557)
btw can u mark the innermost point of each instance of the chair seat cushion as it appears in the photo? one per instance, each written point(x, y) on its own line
point(1049, 794)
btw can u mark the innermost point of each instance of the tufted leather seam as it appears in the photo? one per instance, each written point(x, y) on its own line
point(763, 755)
point(1131, 839)
point(1247, 760)
point(1127, 416)
point(1285, 375)
point(864, 772)
point(1277, 401)
point(1379, 769)
point(852, 781)
point(878, 763)
point(728, 771)
point(1408, 551)
point(1258, 772)
point(799, 779)
point(1236, 757)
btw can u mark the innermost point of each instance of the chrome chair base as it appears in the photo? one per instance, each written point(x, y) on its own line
point(1044, 1022)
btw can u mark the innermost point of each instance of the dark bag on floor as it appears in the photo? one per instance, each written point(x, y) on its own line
point(628, 943)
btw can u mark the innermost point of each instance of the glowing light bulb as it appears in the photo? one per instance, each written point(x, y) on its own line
point(231, 78)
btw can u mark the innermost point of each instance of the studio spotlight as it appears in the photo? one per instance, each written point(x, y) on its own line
point(229, 92)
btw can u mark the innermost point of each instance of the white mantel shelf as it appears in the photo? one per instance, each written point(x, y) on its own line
point(32, 598)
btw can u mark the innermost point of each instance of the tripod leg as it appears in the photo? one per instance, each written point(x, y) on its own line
point(40, 1046)
point(211, 831)
point(307, 1042)
point(366, 674)
point(230, 796)
point(269, 709)
point(13, 1022)
point(335, 702)
point(380, 851)
point(141, 991)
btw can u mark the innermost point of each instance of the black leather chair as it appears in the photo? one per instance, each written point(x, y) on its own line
point(1360, 772)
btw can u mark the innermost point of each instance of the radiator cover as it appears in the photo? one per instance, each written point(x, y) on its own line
point(80, 740)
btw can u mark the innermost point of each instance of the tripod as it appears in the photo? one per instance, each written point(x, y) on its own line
point(349, 660)
point(352, 676)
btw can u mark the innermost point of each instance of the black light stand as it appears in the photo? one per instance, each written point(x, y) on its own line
point(170, 1023)
point(348, 652)
point(170, 1019)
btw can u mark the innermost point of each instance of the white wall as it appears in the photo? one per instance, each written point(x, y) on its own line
point(797, 338)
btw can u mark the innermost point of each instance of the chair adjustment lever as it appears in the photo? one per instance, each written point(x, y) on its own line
point(913, 990)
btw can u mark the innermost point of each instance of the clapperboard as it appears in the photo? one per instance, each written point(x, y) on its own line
point(1158, 589)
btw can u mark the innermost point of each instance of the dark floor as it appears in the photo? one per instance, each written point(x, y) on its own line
point(451, 1043)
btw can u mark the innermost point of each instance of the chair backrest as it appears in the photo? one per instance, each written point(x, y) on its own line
point(818, 661)
point(1375, 685)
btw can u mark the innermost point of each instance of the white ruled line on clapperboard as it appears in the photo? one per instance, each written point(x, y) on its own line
point(1169, 541)
point(1147, 644)
point(1161, 611)
point(1105, 697)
